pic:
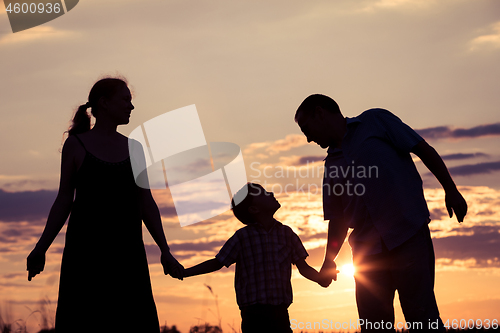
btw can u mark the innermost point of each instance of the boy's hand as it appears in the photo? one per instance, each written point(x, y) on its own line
point(324, 281)
point(328, 271)
point(172, 266)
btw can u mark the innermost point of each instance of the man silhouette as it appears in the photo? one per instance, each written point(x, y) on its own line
point(372, 186)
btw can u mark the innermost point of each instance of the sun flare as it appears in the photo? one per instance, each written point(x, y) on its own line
point(347, 269)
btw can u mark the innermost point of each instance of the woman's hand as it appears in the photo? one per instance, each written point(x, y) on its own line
point(35, 263)
point(172, 266)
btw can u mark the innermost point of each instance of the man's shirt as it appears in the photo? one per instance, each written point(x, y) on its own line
point(372, 182)
point(263, 263)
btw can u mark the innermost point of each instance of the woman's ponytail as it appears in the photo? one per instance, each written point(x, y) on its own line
point(81, 120)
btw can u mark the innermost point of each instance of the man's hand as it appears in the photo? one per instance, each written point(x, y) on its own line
point(328, 272)
point(455, 202)
point(172, 266)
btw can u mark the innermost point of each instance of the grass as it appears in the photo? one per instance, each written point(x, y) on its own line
point(44, 314)
point(19, 326)
point(468, 330)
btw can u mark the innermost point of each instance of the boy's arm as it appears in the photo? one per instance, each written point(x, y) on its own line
point(310, 273)
point(205, 267)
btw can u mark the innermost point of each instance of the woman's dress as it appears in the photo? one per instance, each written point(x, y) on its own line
point(104, 283)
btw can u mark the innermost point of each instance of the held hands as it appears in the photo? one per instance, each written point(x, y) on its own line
point(455, 202)
point(35, 263)
point(172, 266)
point(328, 273)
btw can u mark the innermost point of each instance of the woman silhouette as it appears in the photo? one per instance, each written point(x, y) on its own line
point(104, 283)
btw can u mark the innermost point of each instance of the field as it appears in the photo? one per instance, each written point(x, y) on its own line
point(44, 318)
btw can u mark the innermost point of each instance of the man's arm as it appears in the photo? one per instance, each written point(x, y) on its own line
point(337, 231)
point(205, 267)
point(455, 202)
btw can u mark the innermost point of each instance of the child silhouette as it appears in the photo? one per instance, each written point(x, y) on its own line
point(263, 252)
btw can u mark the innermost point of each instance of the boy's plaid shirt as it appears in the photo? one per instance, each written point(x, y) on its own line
point(263, 263)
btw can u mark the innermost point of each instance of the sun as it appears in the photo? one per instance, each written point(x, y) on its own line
point(347, 269)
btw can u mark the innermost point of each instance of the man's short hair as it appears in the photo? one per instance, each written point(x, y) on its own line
point(240, 210)
point(308, 106)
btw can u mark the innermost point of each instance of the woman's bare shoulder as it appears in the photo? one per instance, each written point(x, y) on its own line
point(73, 155)
point(72, 147)
point(71, 142)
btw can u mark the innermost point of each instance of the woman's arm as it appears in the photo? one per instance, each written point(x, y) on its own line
point(60, 209)
point(150, 213)
point(152, 220)
point(205, 267)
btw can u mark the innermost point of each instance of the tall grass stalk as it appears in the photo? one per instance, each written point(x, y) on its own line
point(42, 314)
point(216, 297)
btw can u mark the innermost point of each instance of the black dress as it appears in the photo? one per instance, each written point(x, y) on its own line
point(104, 284)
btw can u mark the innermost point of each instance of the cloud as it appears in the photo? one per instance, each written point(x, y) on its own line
point(441, 132)
point(185, 249)
point(306, 160)
point(165, 203)
point(474, 169)
point(438, 214)
point(275, 147)
point(197, 246)
point(483, 208)
point(251, 148)
point(289, 142)
point(40, 33)
point(289, 174)
point(26, 205)
point(479, 243)
point(461, 156)
point(34, 206)
point(392, 4)
point(17, 183)
point(490, 40)
point(167, 211)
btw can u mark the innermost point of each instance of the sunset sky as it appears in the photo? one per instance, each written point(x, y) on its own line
point(247, 65)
